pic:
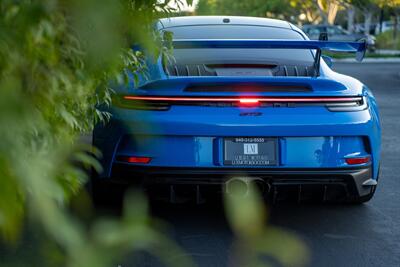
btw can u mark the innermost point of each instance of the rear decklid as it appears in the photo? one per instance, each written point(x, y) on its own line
point(191, 84)
point(244, 92)
point(254, 89)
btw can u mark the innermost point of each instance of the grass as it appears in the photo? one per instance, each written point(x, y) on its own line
point(368, 55)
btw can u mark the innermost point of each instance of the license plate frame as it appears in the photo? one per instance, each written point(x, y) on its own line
point(260, 151)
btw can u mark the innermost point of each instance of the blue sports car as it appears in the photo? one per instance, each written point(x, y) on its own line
point(248, 100)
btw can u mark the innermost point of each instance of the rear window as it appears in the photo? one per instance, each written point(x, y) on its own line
point(235, 56)
point(233, 32)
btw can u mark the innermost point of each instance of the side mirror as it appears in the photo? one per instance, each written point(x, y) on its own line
point(328, 60)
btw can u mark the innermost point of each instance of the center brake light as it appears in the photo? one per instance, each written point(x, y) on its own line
point(249, 102)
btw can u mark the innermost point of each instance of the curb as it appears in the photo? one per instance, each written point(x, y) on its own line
point(369, 60)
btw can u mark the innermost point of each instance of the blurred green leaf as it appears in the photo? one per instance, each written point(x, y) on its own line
point(255, 238)
point(57, 61)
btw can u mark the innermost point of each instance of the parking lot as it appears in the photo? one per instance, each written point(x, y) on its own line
point(337, 235)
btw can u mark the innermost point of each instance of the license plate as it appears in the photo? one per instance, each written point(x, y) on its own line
point(243, 151)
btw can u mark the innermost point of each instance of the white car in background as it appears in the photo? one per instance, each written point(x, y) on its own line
point(386, 26)
point(336, 33)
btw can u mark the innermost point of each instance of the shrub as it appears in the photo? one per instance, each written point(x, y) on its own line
point(385, 40)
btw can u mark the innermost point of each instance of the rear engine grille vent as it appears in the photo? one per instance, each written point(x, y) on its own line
point(189, 70)
point(180, 70)
point(294, 71)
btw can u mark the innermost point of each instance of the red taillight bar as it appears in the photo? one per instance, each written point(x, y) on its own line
point(244, 99)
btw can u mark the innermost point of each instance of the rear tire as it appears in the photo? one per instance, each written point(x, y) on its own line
point(105, 193)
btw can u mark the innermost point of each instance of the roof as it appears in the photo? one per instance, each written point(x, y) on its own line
point(221, 20)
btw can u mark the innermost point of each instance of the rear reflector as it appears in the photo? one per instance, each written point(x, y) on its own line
point(355, 161)
point(142, 160)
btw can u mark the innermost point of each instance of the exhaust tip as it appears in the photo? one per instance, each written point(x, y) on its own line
point(237, 187)
point(240, 186)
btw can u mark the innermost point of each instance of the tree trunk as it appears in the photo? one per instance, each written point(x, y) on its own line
point(321, 11)
point(367, 22)
point(350, 18)
point(333, 8)
point(381, 20)
point(328, 10)
point(396, 27)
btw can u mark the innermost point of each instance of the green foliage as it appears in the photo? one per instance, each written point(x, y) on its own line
point(310, 11)
point(56, 61)
point(289, 10)
point(255, 241)
point(365, 4)
point(258, 8)
point(385, 40)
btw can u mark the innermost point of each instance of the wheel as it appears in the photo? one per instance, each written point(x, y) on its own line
point(97, 191)
point(105, 193)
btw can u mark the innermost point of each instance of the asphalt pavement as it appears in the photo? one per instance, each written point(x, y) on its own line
point(336, 235)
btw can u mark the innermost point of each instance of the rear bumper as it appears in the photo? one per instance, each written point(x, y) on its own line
point(352, 180)
point(192, 137)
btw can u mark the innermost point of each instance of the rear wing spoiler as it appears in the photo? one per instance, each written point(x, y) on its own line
point(359, 48)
